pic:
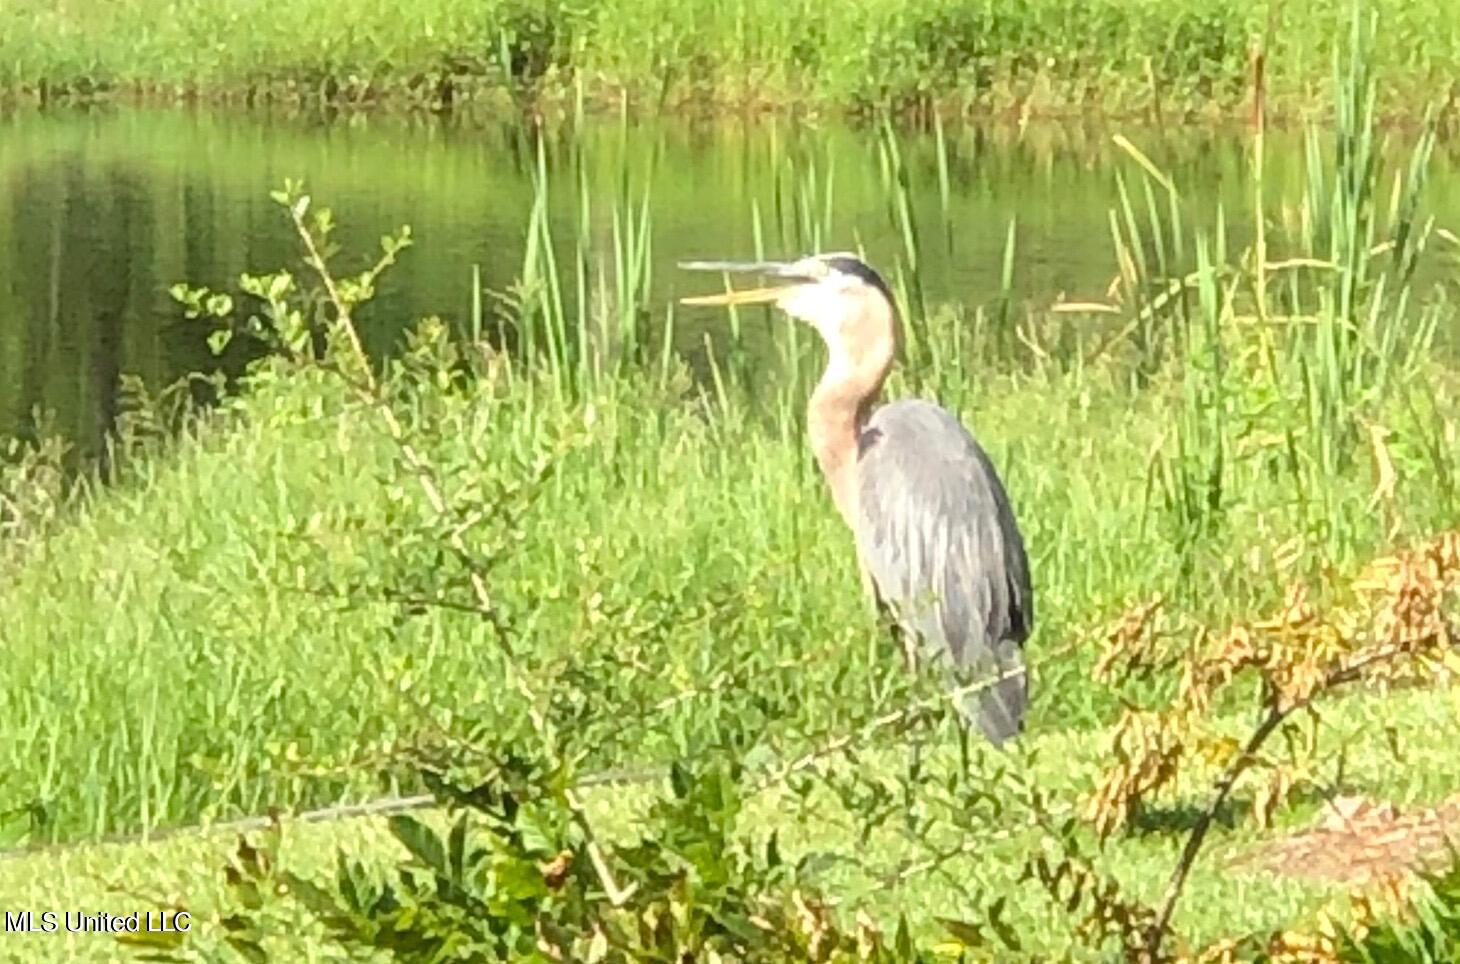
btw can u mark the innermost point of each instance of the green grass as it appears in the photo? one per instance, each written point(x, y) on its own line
point(164, 666)
point(1111, 56)
point(162, 654)
point(186, 871)
point(198, 645)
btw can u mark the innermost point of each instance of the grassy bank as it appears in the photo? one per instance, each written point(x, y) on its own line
point(522, 565)
point(210, 655)
point(220, 633)
point(1111, 56)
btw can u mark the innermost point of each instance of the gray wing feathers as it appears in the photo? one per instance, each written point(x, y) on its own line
point(936, 532)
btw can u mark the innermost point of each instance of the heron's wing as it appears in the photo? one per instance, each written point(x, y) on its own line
point(936, 532)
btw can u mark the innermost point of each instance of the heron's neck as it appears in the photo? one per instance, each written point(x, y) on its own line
point(839, 408)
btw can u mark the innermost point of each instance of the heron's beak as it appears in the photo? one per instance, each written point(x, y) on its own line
point(750, 296)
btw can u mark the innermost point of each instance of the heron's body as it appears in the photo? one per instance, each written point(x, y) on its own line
point(933, 525)
point(935, 532)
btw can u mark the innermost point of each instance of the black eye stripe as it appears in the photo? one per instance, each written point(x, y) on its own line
point(859, 269)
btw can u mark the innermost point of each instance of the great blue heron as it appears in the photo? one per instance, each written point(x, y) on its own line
point(934, 531)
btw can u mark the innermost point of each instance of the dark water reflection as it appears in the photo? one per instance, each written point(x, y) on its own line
point(101, 212)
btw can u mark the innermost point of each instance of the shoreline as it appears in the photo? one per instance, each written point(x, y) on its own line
point(493, 105)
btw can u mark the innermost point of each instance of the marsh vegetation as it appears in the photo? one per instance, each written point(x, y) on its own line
point(1112, 57)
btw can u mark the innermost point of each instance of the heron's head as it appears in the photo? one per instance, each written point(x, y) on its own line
point(838, 294)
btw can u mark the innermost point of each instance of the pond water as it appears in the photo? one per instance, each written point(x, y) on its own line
point(100, 212)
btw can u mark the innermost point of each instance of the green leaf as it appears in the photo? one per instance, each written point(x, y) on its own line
point(1006, 933)
point(903, 941)
point(967, 934)
point(345, 882)
point(319, 901)
point(248, 894)
point(520, 880)
point(739, 925)
point(249, 949)
point(218, 339)
point(456, 849)
point(279, 285)
point(679, 780)
point(421, 841)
